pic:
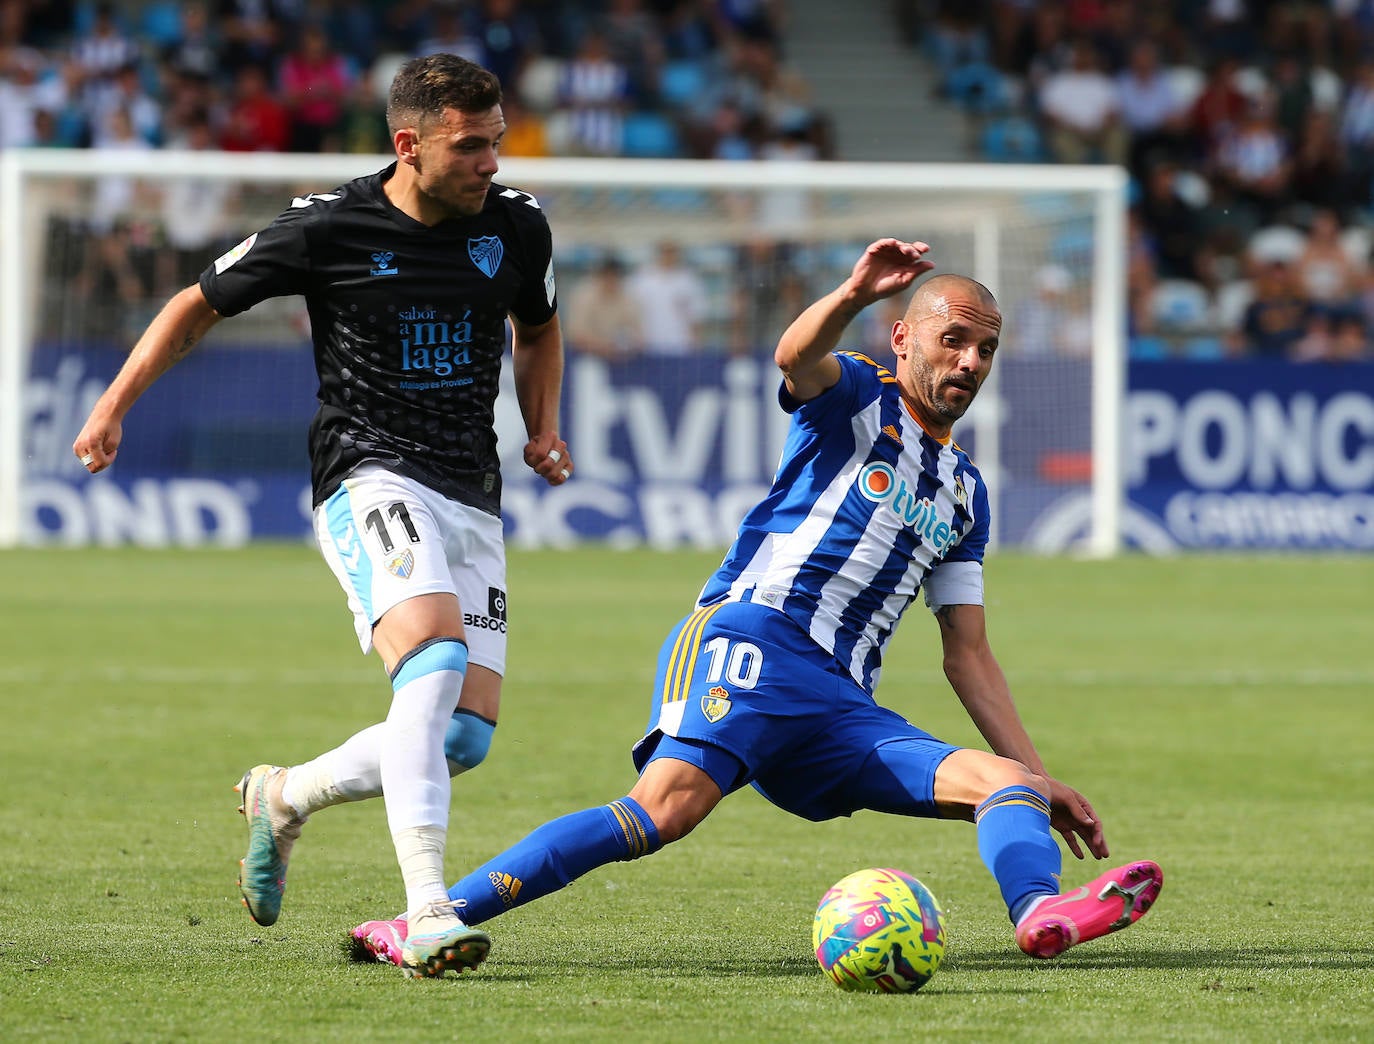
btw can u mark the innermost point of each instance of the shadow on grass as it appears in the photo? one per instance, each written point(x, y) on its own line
point(1257, 958)
point(683, 966)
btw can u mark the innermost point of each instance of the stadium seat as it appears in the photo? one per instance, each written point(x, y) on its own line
point(1011, 139)
point(681, 84)
point(1148, 348)
point(647, 135)
point(1203, 349)
point(1179, 305)
point(977, 88)
point(161, 23)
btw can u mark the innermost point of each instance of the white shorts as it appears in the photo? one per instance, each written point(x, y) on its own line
point(389, 538)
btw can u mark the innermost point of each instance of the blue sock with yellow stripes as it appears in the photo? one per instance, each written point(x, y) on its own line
point(1015, 842)
point(555, 855)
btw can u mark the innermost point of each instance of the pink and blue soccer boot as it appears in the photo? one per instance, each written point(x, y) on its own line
point(1113, 901)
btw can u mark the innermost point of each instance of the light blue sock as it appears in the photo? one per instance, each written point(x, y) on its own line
point(1015, 842)
point(554, 855)
point(467, 740)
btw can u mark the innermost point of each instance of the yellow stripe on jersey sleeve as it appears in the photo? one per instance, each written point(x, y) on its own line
point(884, 374)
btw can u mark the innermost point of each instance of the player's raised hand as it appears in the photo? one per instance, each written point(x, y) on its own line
point(889, 266)
point(548, 456)
point(1074, 818)
point(98, 442)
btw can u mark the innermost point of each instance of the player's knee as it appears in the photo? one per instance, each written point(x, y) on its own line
point(1006, 772)
point(466, 741)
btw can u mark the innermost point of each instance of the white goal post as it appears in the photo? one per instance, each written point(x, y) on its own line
point(1005, 225)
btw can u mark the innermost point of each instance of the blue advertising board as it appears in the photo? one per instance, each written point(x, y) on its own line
point(1256, 454)
point(672, 452)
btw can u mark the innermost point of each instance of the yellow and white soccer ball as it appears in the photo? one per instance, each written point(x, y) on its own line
point(879, 930)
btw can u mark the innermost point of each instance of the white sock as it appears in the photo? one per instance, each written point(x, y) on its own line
point(415, 780)
point(420, 851)
point(350, 772)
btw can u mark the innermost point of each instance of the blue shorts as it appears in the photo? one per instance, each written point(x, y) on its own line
point(746, 695)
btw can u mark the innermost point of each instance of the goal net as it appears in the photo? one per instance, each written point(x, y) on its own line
point(672, 417)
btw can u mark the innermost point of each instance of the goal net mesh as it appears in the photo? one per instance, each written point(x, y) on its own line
point(670, 392)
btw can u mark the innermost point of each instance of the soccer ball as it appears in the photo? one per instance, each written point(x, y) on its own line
point(879, 930)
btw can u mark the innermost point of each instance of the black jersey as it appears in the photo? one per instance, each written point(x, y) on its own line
point(408, 322)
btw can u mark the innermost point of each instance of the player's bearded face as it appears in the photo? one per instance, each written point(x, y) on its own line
point(457, 159)
point(949, 357)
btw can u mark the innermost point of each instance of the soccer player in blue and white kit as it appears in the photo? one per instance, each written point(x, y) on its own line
point(410, 276)
point(769, 680)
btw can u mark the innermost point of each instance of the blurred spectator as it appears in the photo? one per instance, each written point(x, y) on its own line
point(1334, 335)
point(730, 136)
point(783, 212)
point(510, 38)
point(1293, 100)
point(1357, 131)
point(1055, 321)
point(875, 327)
point(1321, 177)
point(592, 95)
point(252, 31)
point(1253, 162)
point(104, 49)
point(1350, 341)
point(1229, 28)
point(1318, 339)
point(1326, 272)
point(20, 96)
point(1276, 320)
point(634, 42)
point(450, 34)
point(672, 302)
point(196, 50)
point(1173, 224)
point(315, 79)
point(255, 121)
point(525, 131)
point(362, 127)
point(1150, 108)
point(1082, 113)
point(768, 294)
point(603, 317)
point(108, 263)
point(193, 214)
point(1218, 107)
point(124, 92)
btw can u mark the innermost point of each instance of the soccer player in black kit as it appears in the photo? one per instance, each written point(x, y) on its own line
point(410, 276)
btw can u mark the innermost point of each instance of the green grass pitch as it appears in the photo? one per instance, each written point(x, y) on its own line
point(1217, 710)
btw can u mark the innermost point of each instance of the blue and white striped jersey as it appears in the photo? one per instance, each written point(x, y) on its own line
point(865, 508)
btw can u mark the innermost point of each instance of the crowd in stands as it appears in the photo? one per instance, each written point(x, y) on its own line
point(665, 78)
point(640, 78)
point(1248, 130)
point(1247, 127)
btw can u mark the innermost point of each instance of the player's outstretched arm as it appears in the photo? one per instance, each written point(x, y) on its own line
point(537, 358)
point(982, 688)
point(887, 267)
point(171, 335)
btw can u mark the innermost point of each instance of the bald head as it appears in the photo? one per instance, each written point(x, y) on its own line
point(934, 296)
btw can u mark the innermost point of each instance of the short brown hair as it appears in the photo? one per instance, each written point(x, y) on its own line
point(424, 87)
